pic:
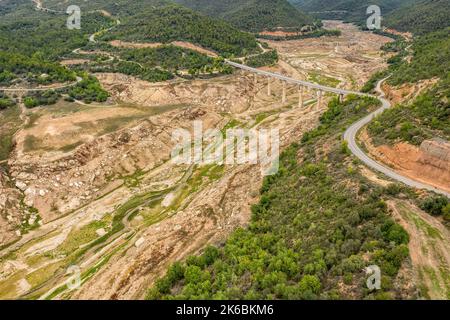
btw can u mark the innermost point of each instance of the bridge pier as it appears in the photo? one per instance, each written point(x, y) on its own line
point(341, 98)
point(269, 92)
point(319, 98)
point(283, 96)
point(300, 96)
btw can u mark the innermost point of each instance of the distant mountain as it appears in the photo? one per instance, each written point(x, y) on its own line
point(348, 10)
point(423, 17)
point(252, 15)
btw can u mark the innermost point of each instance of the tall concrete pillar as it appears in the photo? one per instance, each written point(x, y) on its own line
point(319, 98)
point(283, 97)
point(269, 92)
point(341, 97)
point(300, 96)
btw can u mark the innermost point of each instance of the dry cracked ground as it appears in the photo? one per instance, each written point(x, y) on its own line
point(93, 185)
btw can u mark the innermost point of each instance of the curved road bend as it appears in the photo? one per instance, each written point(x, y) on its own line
point(351, 132)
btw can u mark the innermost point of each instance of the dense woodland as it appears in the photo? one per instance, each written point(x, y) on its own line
point(32, 42)
point(87, 90)
point(348, 10)
point(45, 35)
point(5, 101)
point(428, 116)
point(172, 23)
point(431, 58)
point(40, 98)
point(263, 59)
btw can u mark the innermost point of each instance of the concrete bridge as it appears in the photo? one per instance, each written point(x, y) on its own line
point(351, 132)
point(300, 83)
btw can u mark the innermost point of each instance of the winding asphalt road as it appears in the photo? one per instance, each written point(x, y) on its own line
point(63, 86)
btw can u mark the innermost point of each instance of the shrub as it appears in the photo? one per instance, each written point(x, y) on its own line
point(434, 205)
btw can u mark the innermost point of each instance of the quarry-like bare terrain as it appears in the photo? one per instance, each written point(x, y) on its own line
point(108, 199)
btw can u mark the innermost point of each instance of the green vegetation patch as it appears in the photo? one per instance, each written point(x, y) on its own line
point(34, 69)
point(431, 58)
point(253, 15)
point(9, 123)
point(88, 90)
point(175, 23)
point(263, 59)
point(160, 63)
point(319, 78)
point(309, 231)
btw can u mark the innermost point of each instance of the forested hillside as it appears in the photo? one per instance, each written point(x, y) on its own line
point(164, 21)
point(428, 116)
point(252, 15)
point(170, 23)
point(430, 58)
